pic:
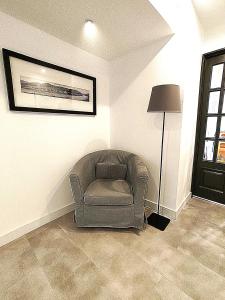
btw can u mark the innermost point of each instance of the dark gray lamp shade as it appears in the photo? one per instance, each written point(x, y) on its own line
point(165, 98)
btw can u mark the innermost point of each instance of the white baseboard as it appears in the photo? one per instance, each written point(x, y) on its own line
point(185, 201)
point(18, 232)
point(166, 211)
point(11, 236)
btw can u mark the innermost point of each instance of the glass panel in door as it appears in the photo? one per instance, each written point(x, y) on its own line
point(208, 150)
point(216, 79)
point(214, 98)
point(221, 152)
point(223, 110)
point(222, 128)
point(211, 127)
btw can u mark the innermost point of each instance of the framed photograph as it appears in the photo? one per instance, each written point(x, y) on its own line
point(38, 86)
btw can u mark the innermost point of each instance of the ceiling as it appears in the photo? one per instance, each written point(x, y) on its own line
point(121, 25)
point(211, 15)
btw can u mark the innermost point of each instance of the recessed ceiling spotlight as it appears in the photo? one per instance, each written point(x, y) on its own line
point(89, 28)
point(89, 22)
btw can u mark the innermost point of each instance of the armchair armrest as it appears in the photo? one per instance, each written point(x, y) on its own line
point(138, 176)
point(82, 174)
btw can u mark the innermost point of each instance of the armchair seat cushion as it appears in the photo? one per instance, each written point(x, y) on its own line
point(108, 192)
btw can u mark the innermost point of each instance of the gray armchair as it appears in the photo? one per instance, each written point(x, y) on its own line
point(109, 189)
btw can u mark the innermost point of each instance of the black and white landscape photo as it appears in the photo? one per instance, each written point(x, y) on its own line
point(37, 86)
point(44, 88)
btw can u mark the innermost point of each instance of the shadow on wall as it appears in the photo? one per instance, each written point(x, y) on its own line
point(95, 146)
point(152, 193)
point(61, 195)
point(134, 63)
point(172, 126)
point(131, 78)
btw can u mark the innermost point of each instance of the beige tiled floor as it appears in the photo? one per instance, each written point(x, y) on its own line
point(60, 261)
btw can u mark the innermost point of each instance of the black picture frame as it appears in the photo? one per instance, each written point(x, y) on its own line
point(7, 54)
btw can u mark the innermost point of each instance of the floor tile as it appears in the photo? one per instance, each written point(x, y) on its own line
point(196, 280)
point(61, 261)
point(16, 261)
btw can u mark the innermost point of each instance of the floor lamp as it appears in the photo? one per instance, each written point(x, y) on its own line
point(164, 98)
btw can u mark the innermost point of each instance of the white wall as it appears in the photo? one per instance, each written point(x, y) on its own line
point(37, 150)
point(170, 60)
point(214, 41)
point(182, 18)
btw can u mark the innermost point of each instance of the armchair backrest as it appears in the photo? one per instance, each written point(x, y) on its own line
point(116, 164)
point(108, 170)
point(110, 164)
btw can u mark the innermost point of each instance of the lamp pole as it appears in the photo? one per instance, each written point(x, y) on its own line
point(161, 162)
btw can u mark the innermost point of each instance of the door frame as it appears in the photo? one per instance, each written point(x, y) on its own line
point(205, 56)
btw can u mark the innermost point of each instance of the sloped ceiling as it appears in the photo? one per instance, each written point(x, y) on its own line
point(121, 25)
point(211, 14)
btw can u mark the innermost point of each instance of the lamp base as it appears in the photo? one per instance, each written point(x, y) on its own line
point(158, 221)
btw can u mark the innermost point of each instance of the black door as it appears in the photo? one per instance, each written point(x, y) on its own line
point(209, 162)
